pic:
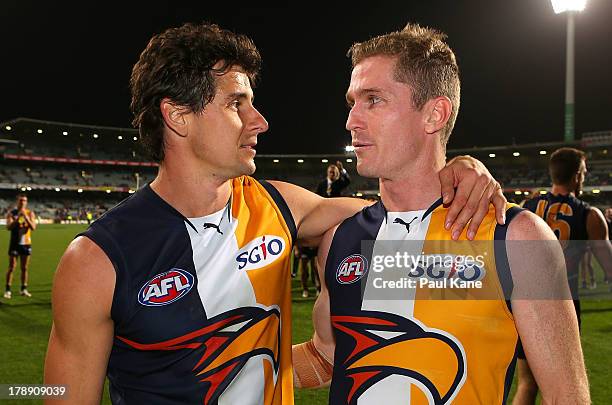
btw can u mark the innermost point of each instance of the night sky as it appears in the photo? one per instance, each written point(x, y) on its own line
point(73, 64)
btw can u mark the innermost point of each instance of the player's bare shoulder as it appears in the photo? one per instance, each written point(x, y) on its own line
point(84, 273)
point(528, 226)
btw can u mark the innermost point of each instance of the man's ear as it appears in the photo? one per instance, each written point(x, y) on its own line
point(174, 116)
point(437, 114)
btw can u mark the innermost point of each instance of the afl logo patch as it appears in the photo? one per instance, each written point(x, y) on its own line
point(352, 269)
point(165, 288)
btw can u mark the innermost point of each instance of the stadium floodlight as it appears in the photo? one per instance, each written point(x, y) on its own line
point(359, 195)
point(542, 152)
point(40, 131)
point(120, 137)
point(300, 160)
point(131, 191)
point(64, 133)
point(516, 154)
point(561, 6)
point(135, 138)
point(108, 191)
point(8, 127)
point(29, 188)
point(526, 193)
point(57, 189)
point(491, 155)
point(23, 189)
point(518, 192)
point(276, 160)
point(543, 192)
point(80, 190)
point(95, 136)
point(349, 148)
point(570, 7)
point(324, 160)
point(349, 160)
point(596, 191)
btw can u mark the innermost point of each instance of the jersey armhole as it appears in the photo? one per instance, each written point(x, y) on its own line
point(501, 255)
point(283, 208)
point(104, 241)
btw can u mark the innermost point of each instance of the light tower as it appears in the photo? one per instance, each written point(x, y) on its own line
point(570, 7)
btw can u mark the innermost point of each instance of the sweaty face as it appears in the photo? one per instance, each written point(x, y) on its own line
point(225, 133)
point(385, 127)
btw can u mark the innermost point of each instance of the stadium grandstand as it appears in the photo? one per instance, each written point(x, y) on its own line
point(71, 169)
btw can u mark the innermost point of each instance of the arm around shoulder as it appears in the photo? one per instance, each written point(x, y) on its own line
point(313, 214)
point(82, 331)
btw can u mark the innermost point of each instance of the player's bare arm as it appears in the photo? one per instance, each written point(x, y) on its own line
point(313, 214)
point(82, 332)
point(547, 325)
point(10, 221)
point(597, 229)
point(313, 360)
point(475, 189)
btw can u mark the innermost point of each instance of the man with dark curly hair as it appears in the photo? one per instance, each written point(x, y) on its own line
point(181, 293)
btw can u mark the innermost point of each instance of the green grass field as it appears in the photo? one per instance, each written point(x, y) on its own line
point(25, 323)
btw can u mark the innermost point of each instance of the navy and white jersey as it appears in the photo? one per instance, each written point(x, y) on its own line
point(417, 344)
point(567, 217)
point(201, 306)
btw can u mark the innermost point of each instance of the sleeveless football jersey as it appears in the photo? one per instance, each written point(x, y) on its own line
point(425, 345)
point(567, 217)
point(202, 306)
point(22, 233)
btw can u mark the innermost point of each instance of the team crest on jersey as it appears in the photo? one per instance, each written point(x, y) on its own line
point(223, 352)
point(260, 252)
point(375, 358)
point(351, 269)
point(166, 288)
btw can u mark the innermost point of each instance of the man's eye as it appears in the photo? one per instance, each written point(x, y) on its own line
point(374, 100)
point(235, 104)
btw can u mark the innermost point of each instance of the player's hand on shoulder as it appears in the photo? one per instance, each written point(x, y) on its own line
point(475, 190)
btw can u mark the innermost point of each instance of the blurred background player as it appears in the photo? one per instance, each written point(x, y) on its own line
point(336, 181)
point(586, 268)
point(21, 222)
point(570, 219)
point(308, 264)
point(608, 215)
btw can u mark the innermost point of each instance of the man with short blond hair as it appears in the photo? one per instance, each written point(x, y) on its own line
point(424, 343)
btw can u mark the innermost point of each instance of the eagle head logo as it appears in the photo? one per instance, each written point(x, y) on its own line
point(433, 359)
point(228, 341)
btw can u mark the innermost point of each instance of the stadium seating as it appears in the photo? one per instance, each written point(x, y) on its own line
point(78, 168)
